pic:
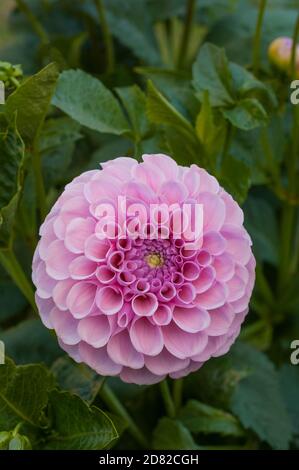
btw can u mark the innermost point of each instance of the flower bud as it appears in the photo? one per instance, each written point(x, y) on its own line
point(280, 54)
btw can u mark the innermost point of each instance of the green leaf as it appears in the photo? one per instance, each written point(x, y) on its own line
point(261, 223)
point(76, 426)
point(23, 394)
point(257, 399)
point(56, 146)
point(289, 384)
point(131, 25)
point(201, 418)
point(43, 344)
point(210, 134)
point(88, 101)
point(171, 434)
point(11, 162)
point(247, 114)
point(211, 73)
point(134, 101)
point(236, 186)
point(31, 101)
point(12, 302)
point(77, 378)
point(161, 111)
point(4, 440)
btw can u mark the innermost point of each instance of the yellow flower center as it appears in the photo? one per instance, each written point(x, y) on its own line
point(154, 260)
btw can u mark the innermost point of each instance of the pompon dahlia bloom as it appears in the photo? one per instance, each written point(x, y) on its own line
point(143, 308)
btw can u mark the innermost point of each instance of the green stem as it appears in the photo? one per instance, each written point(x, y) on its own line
point(111, 400)
point(36, 25)
point(227, 142)
point(257, 37)
point(289, 211)
point(177, 393)
point(39, 183)
point(169, 405)
point(110, 59)
point(14, 269)
point(190, 10)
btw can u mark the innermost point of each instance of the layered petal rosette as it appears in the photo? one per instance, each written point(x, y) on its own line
point(147, 306)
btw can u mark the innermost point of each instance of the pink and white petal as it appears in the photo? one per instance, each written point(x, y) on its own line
point(44, 283)
point(96, 249)
point(224, 267)
point(213, 211)
point(205, 280)
point(193, 367)
point(140, 376)
point(71, 350)
point(58, 260)
point(121, 351)
point(234, 214)
point(145, 304)
point(182, 344)
point(166, 164)
point(165, 363)
point(81, 299)
point(95, 330)
point(44, 308)
point(77, 232)
point(146, 337)
point(109, 300)
point(212, 298)
point(236, 288)
point(65, 326)
point(61, 291)
point(173, 192)
point(208, 183)
point(192, 319)
point(221, 320)
point(82, 268)
point(214, 243)
point(98, 360)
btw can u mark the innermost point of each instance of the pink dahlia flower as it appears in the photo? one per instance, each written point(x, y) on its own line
point(139, 307)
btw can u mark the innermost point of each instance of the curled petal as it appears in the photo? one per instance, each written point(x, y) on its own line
point(109, 300)
point(146, 338)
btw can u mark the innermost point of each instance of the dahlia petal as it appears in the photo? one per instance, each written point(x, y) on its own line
point(77, 231)
point(58, 260)
point(95, 330)
point(165, 363)
point(60, 292)
point(190, 270)
point(96, 249)
point(192, 319)
point(81, 299)
point(237, 245)
point(82, 268)
point(98, 360)
point(71, 350)
point(122, 352)
point(162, 315)
point(236, 288)
point(214, 243)
point(109, 300)
point(173, 192)
point(182, 344)
point(146, 338)
point(224, 267)
point(193, 367)
point(214, 297)
point(205, 280)
point(221, 319)
point(105, 275)
point(144, 304)
point(213, 211)
point(65, 326)
point(140, 376)
point(45, 284)
point(44, 307)
point(167, 165)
